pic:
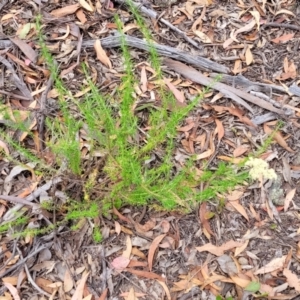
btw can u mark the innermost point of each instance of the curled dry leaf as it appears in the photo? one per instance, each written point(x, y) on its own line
point(239, 208)
point(288, 198)
point(240, 150)
point(101, 54)
point(13, 291)
point(292, 279)
point(25, 48)
point(152, 249)
point(273, 265)
point(86, 6)
point(278, 138)
point(177, 94)
point(146, 274)
point(283, 39)
point(220, 129)
point(64, 11)
point(219, 250)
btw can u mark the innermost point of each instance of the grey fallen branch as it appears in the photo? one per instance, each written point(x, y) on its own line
point(228, 91)
point(152, 14)
point(242, 81)
point(197, 61)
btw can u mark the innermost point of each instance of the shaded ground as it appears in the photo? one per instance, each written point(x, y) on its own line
point(253, 234)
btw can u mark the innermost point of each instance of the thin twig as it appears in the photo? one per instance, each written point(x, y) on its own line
point(31, 279)
point(288, 26)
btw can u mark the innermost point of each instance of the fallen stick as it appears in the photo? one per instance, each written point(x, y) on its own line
point(154, 15)
point(197, 61)
point(227, 90)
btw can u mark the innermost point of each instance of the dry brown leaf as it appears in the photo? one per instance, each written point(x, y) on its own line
point(273, 265)
point(154, 245)
point(86, 6)
point(203, 220)
point(68, 282)
point(146, 274)
point(220, 129)
point(78, 294)
point(249, 56)
point(292, 279)
point(240, 150)
point(278, 138)
point(135, 251)
point(126, 253)
point(186, 128)
point(284, 38)
point(288, 198)
point(177, 94)
point(81, 16)
point(168, 294)
point(144, 80)
point(120, 216)
point(235, 195)
point(203, 37)
point(64, 11)
point(11, 280)
point(101, 54)
point(117, 228)
point(286, 12)
point(239, 250)
point(204, 154)
point(14, 292)
point(242, 282)
point(150, 224)
point(219, 250)
point(230, 159)
point(238, 207)
point(233, 34)
point(25, 48)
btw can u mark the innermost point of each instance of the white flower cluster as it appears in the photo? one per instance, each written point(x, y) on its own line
point(259, 168)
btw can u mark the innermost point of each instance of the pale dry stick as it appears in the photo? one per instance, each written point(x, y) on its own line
point(152, 14)
point(231, 92)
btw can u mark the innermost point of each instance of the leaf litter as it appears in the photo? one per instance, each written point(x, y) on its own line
point(245, 247)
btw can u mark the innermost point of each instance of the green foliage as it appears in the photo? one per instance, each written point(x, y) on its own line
point(97, 235)
point(112, 126)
